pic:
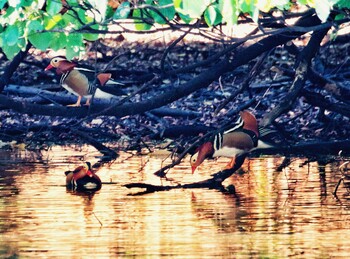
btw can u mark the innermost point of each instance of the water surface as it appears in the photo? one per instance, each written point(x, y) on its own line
point(275, 214)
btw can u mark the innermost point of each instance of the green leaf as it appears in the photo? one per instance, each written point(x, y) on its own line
point(177, 4)
point(58, 41)
point(74, 46)
point(249, 6)
point(40, 40)
point(310, 3)
point(10, 14)
point(91, 36)
point(229, 11)
point(192, 8)
point(139, 24)
point(246, 6)
point(109, 12)
point(81, 15)
point(123, 11)
point(101, 7)
point(339, 17)
point(165, 9)
point(2, 3)
point(14, 3)
point(323, 9)
point(53, 21)
point(343, 4)
point(11, 35)
point(212, 15)
point(26, 3)
point(53, 7)
point(11, 51)
point(70, 18)
point(34, 26)
point(22, 43)
point(186, 18)
point(75, 39)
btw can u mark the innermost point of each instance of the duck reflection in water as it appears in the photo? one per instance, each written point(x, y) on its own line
point(83, 179)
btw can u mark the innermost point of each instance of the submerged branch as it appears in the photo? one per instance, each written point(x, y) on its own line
point(212, 183)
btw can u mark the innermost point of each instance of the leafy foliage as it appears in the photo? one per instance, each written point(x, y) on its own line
point(58, 24)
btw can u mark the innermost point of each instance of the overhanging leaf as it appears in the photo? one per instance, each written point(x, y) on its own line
point(58, 41)
point(194, 9)
point(123, 11)
point(212, 15)
point(40, 40)
point(53, 6)
point(11, 35)
point(52, 21)
point(10, 51)
point(141, 25)
point(229, 10)
point(165, 11)
point(34, 26)
point(323, 9)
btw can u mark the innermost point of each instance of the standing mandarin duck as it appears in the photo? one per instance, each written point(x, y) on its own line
point(83, 179)
point(83, 81)
point(238, 140)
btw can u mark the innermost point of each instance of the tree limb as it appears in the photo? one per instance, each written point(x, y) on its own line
point(319, 100)
point(304, 60)
point(11, 68)
point(212, 183)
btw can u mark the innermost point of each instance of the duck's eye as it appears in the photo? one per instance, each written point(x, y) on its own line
point(194, 160)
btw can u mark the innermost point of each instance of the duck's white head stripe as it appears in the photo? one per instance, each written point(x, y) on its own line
point(84, 69)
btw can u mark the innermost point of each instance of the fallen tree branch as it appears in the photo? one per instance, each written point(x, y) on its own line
point(11, 68)
point(47, 97)
point(213, 183)
point(337, 90)
point(319, 100)
point(303, 61)
point(309, 149)
point(244, 86)
point(306, 149)
point(108, 153)
point(202, 80)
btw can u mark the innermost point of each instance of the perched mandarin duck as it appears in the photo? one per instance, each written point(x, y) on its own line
point(84, 81)
point(83, 179)
point(239, 139)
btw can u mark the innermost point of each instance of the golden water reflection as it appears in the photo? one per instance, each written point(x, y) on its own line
point(276, 214)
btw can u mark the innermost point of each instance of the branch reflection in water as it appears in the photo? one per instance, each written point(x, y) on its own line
point(276, 214)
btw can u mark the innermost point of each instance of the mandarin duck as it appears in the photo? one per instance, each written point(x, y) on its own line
point(84, 81)
point(83, 179)
point(233, 142)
